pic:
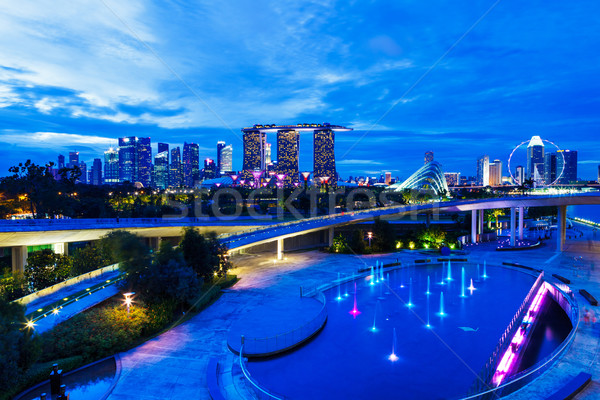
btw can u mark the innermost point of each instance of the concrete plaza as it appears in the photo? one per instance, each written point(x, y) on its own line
point(174, 364)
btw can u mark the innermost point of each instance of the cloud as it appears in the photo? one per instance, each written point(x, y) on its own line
point(358, 162)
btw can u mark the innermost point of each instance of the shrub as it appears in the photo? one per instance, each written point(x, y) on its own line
point(45, 268)
point(90, 258)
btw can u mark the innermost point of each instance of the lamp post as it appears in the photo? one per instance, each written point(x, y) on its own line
point(128, 300)
point(234, 178)
point(370, 236)
point(306, 175)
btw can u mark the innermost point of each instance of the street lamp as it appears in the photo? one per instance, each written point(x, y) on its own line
point(370, 236)
point(306, 175)
point(128, 300)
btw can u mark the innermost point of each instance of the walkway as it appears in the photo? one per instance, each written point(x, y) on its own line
point(74, 308)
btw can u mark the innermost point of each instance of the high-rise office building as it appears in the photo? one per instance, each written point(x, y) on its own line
point(224, 158)
point(73, 159)
point(111, 167)
point(535, 159)
point(191, 164)
point(254, 152)
point(324, 156)
point(388, 178)
point(569, 173)
point(161, 169)
point(163, 147)
point(550, 168)
point(144, 160)
point(288, 145)
point(520, 175)
point(176, 170)
point(96, 172)
point(61, 162)
point(210, 169)
point(127, 159)
point(598, 180)
point(483, 171)
point(83, 178)
point(452, 178)
point(495, 175)
point(220, 145)
point(428, 156)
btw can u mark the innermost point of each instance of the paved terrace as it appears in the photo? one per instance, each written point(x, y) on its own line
point(174, 365)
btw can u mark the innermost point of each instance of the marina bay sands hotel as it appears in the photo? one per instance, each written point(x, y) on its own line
point(288, 151)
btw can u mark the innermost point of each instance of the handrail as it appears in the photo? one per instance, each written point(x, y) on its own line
point(249, 378)
point(546, 361)
point(485, 376)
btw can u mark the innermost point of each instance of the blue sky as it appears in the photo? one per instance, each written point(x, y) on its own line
point(78, 75)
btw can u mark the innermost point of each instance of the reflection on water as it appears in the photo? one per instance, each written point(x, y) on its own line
point(87, 384)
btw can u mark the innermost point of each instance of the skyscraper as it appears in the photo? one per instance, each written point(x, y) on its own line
point(73, 159)
point(224, 158)
point(61, 162)
point(520, 175)
point(220, 145)
point(96, 173)
point(191, 164)
point(569, 174)
point(210, 169)
point(111, 167)
point(452, 178)
point(268, 158)
point(176, 171)
point(144, 160)
point(324, 156)
point(428, 156)
point(254, 152)
point(83, 178)
point(161, 169)
point(127, 159)
point(535, 159)
point(550, 168)
point(483, 171)
point(163, 147)
point(495, 176)
point(288, 145)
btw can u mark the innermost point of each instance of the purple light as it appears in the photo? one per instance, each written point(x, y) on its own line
point(354, 311)
point(257, 174)
point(280, 177)
point(234, 177)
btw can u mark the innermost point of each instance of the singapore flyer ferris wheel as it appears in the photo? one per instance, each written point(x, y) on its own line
point(537, 175)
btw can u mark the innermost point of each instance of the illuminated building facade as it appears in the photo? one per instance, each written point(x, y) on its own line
point(535, 159)
point(175, 170)
point(210, 169)
point(520, 175)
point(495, 175)
point(257, 151)
point(452, 178)
point(569, 157)
point(428, 156)
point(288, 151)
point(483, 171)
point(61, 162)
point(550, 169)
point(111, 167)
point(161, 169)
point(324, 156)
point(254, 152)
point(191, 164)
point(96, 173)
point(127, 159)
point(144, 161)
point(224, 158)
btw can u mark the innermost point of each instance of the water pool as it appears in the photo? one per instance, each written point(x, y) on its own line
point(352, 356)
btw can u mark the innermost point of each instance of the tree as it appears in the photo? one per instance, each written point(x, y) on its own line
point(357, 241)
point(384, 236)
point(127, 249)
point(18, 347)
point(340, 245)
point(205, 255)
point(171, 281)
point(45, 268)
point(90, 258)
point(434, 235)
point(166, 252)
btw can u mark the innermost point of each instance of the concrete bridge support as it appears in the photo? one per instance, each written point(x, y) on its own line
point(561, 228)
point(280, 249)
point(480, 221)
point(474, 226)
point(330, 233)
point(513, 228)
point(19, 259)
point(521, 225)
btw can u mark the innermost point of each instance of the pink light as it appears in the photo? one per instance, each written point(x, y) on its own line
point(242, 181)
point(217, 184)
point(280, 177)
point(256, 174)
point(354, 311)
point(279, 184)
point(265, 184)
point(234, 177)
point(296, 184)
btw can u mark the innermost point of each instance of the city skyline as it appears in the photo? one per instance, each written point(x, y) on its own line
point(495, 88)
